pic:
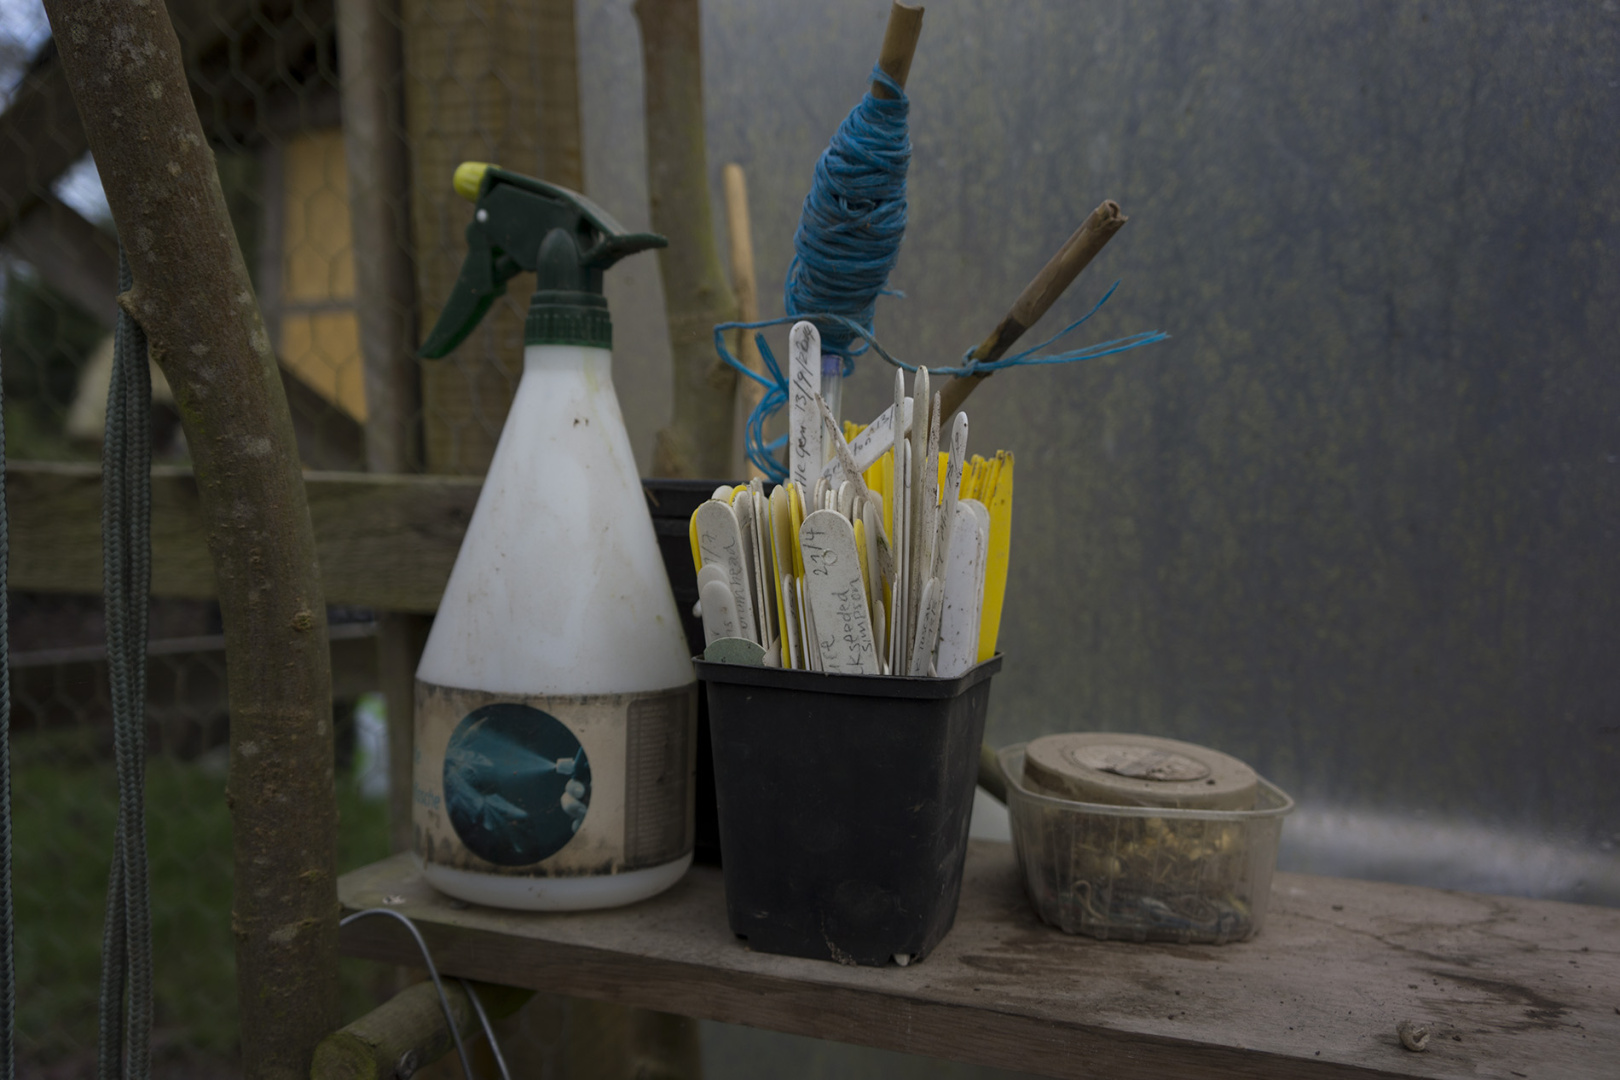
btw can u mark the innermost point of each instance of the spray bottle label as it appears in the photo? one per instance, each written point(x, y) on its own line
point(553, 786)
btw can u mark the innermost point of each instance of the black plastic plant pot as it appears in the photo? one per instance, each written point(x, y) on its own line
point(844, 803)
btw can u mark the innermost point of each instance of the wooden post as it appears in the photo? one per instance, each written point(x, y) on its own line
point(379, 169)
point(472, 93)
point(192, 296)
point(562, 155)
point(500, 84)
point(697, 443)
point(385, 306)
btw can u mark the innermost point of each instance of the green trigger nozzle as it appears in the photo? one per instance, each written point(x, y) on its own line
point(520, 223)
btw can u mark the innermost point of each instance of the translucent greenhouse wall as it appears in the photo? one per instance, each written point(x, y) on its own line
point(1357, 522)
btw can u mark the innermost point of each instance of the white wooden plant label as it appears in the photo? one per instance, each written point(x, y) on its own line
point(719, 617)
point(712, 572)
point(964, 589)
point(780, 516)
point(929, 607)
point(837, 595)
point(874, 440)
point(805, 448)
point(955, 460)
point(794, 651)
point(898, 615)
point(720, 542)
point(742, 504)
point(765, 601)
point(925, 530)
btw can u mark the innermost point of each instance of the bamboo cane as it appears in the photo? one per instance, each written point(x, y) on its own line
point(1038, 296)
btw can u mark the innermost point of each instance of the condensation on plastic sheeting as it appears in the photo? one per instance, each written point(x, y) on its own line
point(1356, 522)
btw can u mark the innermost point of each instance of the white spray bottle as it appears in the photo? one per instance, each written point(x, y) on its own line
point(555, 702)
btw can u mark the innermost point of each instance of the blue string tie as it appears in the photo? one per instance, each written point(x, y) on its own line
point(762, 453)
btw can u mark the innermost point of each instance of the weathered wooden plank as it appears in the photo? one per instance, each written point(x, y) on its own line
point(1512, 987)
point(187, 701)
point(385, 541)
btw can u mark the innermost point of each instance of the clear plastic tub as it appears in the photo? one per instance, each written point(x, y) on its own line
point(1142, 873)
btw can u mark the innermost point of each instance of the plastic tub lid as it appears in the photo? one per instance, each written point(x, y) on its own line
point(1138, 770)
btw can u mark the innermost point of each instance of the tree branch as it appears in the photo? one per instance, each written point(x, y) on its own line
point(409, 1031)
point(696, 295)
point(194, 300)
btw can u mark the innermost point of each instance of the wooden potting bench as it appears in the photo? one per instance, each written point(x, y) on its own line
point(1508, 987)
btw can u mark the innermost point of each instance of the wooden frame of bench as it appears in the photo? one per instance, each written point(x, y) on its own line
point(1510, 987)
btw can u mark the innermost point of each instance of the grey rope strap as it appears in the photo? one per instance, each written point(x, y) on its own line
point(8, 968)
point(124, 1050)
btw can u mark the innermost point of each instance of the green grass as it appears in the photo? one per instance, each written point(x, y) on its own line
point(64, 800)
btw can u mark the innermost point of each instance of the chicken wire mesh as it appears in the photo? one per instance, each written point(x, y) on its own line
point(64, 805)
point(265, 83)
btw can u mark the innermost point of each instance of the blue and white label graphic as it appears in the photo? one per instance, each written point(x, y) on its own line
point(517, 784)
point(553, 786)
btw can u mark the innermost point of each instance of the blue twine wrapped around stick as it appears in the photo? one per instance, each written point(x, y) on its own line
point(846, 245)
point(853, 220)
point(762, 453)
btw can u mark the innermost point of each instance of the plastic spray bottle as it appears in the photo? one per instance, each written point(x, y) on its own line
point(555, 702)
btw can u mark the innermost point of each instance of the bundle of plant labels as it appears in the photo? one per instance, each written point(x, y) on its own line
point(867, 560)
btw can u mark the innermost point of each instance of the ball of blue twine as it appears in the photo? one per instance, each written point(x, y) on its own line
point(853, 220)
point(846, 245)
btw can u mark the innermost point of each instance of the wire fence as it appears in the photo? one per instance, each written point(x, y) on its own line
point(266, 85)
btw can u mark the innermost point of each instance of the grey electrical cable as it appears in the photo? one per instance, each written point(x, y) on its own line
point(8, 972)
point(489, 1031)
point(444, 1002)
point(124, 1045)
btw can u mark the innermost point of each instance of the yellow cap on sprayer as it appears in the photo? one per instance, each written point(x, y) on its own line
point(469, 178)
